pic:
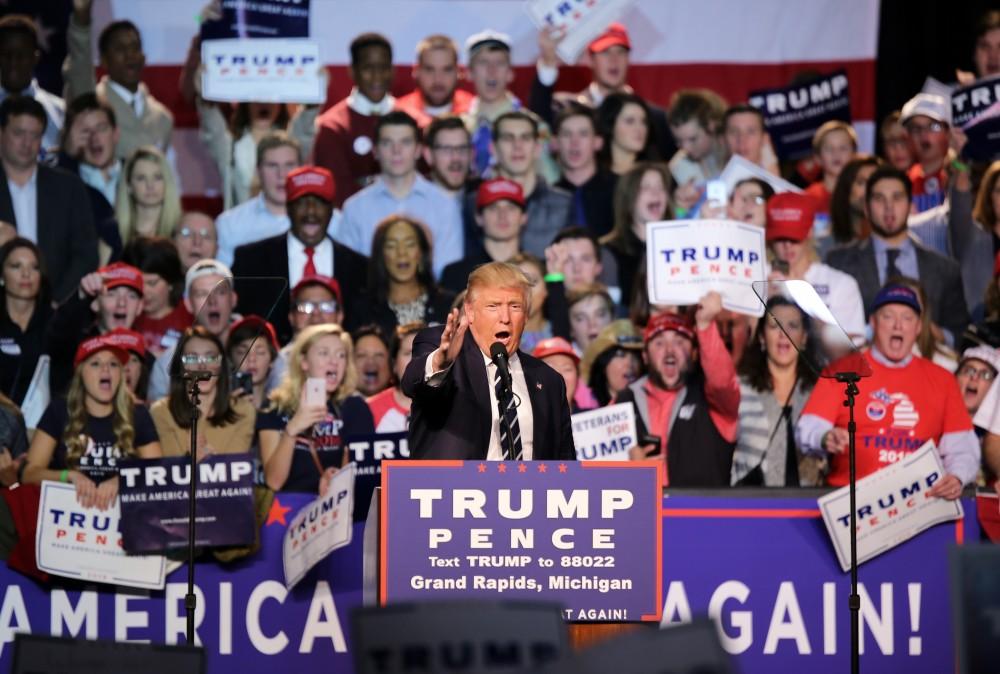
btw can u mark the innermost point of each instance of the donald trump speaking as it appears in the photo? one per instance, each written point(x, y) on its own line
point(475, 394)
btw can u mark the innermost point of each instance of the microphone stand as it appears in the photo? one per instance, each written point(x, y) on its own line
point(850, 380)
point(192, 379)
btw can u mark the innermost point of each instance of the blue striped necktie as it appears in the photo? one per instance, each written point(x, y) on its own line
point(505, 403)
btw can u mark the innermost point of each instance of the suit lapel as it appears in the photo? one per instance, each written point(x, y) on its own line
point(538, 399)
point(868, 274)
point(6, 204)
point(476, 375)
point(45, 216)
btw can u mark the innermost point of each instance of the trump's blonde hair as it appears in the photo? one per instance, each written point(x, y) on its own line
point(498, 275)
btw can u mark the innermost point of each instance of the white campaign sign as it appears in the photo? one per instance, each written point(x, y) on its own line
point(583, 20)
point(892, 504)
point(688, 258)
point(320, 527)
point(263, 70)
point(605, 434)
point(85, 543)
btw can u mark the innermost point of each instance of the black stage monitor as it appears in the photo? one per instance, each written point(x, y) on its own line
point(37, 654)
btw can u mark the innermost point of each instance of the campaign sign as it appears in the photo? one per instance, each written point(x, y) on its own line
point(688, 258)
point(259, 18)
point(976, 110)
point(262, 70)
point(792, 114)
point(583, 534)
point(582, 21)
point(605, 434)
point(154, 498)
point(367, 452)
point(320, 527)
point(892, 506)
point(85, 543)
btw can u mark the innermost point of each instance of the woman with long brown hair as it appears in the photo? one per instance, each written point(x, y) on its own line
point(80, 438)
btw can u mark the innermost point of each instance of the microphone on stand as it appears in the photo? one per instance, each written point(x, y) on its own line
point(498, 354)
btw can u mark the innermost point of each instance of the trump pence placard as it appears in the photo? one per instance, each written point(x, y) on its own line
point(688, 258)
point(583, 534)
point(892, 506)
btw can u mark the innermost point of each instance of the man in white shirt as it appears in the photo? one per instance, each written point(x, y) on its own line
point(465, 406)
point(399, 188)
point(19, 56)
point(43, 204)
point(264, 215)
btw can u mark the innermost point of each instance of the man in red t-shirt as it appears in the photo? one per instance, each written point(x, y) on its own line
point(345, 133)
point(905, 402)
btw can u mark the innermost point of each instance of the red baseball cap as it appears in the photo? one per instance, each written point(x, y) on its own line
point(554, 346)
point(130, 340)
point(258, 324)
point(92, 345)
point(668, 321)
point(304, 180)
point(614, 36)
point(790, 216)
point(330, 284)
point(121, 274)
point(492, 191)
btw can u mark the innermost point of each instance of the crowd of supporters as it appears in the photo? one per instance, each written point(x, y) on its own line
point(375, 209)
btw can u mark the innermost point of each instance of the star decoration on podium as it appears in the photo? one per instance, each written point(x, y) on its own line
point(542, 468)
point(277, 513)
point(522, 468)
point(501, 467)
point(562, 468)
point(481, 467)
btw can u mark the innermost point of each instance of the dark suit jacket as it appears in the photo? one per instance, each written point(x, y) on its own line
point(269, 258)
point(66, 233)
point(453, 420)
point(940, 276)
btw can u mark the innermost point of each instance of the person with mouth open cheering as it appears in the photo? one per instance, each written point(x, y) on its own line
point(457, 388)
point(907, 401)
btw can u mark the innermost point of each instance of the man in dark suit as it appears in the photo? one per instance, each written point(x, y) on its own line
point(891, 251)
point(46, 205)
point(458, 392)
point(306, 250)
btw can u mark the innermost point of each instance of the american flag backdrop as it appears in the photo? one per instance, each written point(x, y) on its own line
point(731, 46)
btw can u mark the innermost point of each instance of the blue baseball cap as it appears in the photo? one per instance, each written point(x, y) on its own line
point(896, 294)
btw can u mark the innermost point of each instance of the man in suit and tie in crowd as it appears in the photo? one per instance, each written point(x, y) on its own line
point(45, 205)
point(462, 407)
point(890, 251)
point(305, 251)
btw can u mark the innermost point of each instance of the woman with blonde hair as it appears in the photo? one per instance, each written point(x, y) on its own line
point(80, 438)
point(147, 203)
point(314, 408)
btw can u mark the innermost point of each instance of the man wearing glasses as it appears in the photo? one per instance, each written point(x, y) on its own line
point(196, 239)
point(975, 374)
point(927, 120)
point(210, 297)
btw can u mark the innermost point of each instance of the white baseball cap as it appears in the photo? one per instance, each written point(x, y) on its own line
point(928, 105)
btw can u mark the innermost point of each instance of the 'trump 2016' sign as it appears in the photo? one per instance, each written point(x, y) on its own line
point(584, 534)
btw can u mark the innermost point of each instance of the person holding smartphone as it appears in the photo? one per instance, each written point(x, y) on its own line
point(301, 434)
point(225, 424)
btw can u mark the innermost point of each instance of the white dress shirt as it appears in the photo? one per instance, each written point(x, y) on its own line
point(108, 187)
point(135, 99)
point(55, 111)
point(322, 258)
point(247, 223)
point(522, 401)
point(25, 202)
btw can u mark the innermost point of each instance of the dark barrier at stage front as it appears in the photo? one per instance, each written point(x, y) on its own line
point(762, 564)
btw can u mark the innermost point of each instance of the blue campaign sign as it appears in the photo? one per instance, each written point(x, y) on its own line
point(792, 114)
point(762, 564)
point(766, 569)
point(368, 452)
point(259, 18)
point(584, 534)
point(154, 501)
